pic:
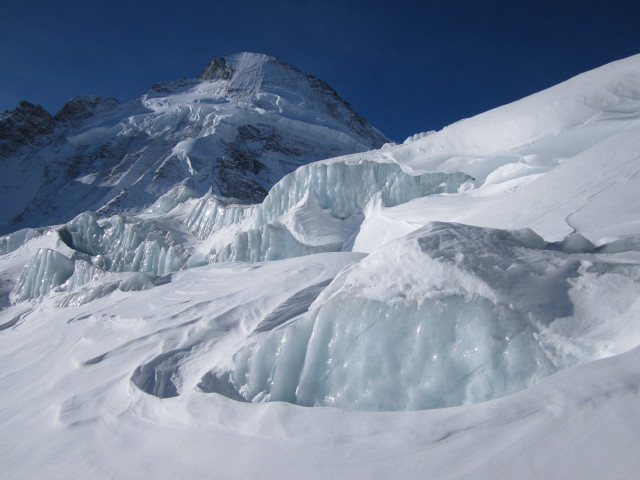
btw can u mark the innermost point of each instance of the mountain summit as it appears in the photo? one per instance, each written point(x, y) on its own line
point(245, 122)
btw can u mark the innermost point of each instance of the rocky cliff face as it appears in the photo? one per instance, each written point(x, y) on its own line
point(246, 121)
point(22, 126)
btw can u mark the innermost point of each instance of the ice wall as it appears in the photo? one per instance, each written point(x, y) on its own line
point(46, 270)
point(211, 214)
point(141, 250)
point(315, 209)
point(448, 315)
point(341, 189)
point(15, 240)
point(125, 244)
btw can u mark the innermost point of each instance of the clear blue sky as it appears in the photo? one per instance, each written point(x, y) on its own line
point(407, 66)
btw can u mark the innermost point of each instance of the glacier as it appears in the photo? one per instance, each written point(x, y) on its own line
point(315, 209)
point(464, 304)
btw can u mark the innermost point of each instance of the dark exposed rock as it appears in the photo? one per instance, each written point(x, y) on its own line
point(23, 125)
point(84, 106)
point(216, 70)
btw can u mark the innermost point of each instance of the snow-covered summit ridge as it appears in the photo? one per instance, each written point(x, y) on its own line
point(606, 94)
point(550, 161)
point(235, 134)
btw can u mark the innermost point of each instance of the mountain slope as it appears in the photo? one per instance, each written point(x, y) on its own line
point(237, 129)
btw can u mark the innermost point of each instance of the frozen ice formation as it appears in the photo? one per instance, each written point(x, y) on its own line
point(124, 244)
point(46, 270)
point(96, 284)
point(15, 240)
point(448, 315)
point(172, 199)
point(314, 209)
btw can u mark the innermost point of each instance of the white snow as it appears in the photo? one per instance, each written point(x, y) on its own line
point(488, 328)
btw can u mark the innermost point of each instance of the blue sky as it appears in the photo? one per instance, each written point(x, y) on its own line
point(407, 66)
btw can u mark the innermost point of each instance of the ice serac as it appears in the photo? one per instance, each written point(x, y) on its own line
point(449, 315)
point(46, 270)
point(247, 121)
point(315, 209)
point(125, 244)
point(15, 240)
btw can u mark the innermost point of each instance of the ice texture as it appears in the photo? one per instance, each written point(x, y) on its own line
point(212, 213)
point(125, 244)
point(448, 315)
point(104, 247)
point(102, 284)
point(172, 199)
point(15, 240)
point(46, 270)
point(331, 191)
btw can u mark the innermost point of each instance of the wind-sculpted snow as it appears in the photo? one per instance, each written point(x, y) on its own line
point(118, 332)
point(449, 315)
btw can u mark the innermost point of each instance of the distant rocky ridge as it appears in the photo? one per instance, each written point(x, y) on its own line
point(245, 122)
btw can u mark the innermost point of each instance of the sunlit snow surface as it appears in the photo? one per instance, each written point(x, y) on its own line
point(499, 260)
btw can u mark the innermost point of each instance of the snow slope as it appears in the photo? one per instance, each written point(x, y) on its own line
point(463, 305)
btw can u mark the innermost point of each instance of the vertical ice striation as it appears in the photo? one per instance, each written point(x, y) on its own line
point(341, 189)
point(345, 187)
point(448, 315)
point(15, 240)
point(125, 244)
point(211, 214)
point(270, 242)
point(46, 270)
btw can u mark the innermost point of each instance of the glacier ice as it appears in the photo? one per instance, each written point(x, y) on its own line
point(103, 247)
point(315, 209)
point(340, 188)
point(46, 270)
point(102, 284)
point(125, 244)
point(172, 199)
point(448, 315)
point(15, 240)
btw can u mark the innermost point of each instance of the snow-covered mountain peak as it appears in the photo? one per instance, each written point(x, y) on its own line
point(82, 107)
point(245, 122)
point(216, 70)
point(22, 125)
